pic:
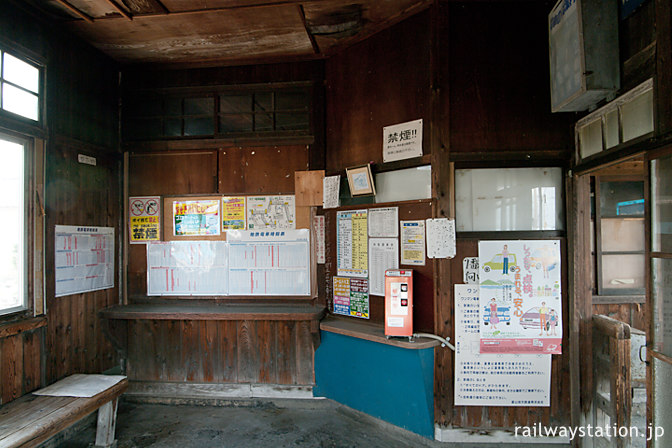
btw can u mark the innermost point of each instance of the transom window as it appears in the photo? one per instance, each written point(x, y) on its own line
point(19, 86)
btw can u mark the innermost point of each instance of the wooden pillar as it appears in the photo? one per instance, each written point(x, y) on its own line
point(107, 422)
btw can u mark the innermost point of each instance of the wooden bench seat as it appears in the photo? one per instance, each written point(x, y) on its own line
point(32, 419)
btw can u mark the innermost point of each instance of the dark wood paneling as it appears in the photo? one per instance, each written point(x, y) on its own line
point(497, 72)
point(423, 278)
point(20, 363)
point(381, 81)
point(633, 314)
point(217, 351)
point(173, 172)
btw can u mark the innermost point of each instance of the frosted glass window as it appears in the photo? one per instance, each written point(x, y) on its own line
point(624, 234)
point(12, 237)
point(509, 199)
point(662, 411)
point(623, 272)
point(661, 205)
point(661, 286)
point(19, 102)
point(20, 73)
point(637, 116)
point(404, 185)
point(590, 138)
point(611, 138)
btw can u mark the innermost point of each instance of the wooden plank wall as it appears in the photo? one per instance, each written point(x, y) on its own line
point(82, 117)
point(221, 351)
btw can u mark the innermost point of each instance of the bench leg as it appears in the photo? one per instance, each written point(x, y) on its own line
point(107, 421)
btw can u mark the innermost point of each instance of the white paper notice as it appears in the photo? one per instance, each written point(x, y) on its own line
point(331, 186)
point(441, 238)
point(187, 268)
point(402, 141)
point(383, 222)
point(383, 255)
point(318, 228)
point(269, 263)
point(493, 379)
point(413, 243)
point(84, 259)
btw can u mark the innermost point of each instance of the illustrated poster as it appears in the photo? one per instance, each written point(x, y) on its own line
point(144, 223)
point(351, 297)
point(493, 379)
point(233, 213)
point(271, 212)
point(196, 218)
point(352, 243)
point(520, 296)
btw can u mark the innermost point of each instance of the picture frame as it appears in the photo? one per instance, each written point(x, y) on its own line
point(360, 180)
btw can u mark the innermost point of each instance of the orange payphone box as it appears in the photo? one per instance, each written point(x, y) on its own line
point(399, 302)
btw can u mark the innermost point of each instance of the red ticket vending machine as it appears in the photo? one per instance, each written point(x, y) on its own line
point(399, 302)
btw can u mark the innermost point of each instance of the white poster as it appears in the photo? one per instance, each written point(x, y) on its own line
point(84, 259)
point(318, 228)
point(402, 141)
point(521, 300)
point(273, 263)
point(441, 238)
point(384, 222)
point(187, 268)
point(413, 243)
point(493, 379)
point(383, 255)
point(271, 212)
point(331, 186)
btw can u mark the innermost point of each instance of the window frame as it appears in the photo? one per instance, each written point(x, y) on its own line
point(29, 58)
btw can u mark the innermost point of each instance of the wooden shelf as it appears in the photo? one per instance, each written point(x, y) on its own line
point(213, 312)
point(371, 332)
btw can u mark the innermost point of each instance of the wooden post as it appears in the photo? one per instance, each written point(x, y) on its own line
point(107, 422)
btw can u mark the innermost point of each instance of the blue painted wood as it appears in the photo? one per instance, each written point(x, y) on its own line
point(390, 383)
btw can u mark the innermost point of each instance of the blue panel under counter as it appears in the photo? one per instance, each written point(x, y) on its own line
point(392, 380)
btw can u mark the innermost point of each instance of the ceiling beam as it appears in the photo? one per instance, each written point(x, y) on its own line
point(313, 42)
point(121, 10)
point(73, 9)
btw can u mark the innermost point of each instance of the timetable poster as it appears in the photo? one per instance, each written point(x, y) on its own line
point(84, 259)
point(493, 379)
point(352, 243)
point(196, 218)
point(521, 301)
point(351, 297)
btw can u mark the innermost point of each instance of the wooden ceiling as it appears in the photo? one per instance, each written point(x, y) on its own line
point(224, 31)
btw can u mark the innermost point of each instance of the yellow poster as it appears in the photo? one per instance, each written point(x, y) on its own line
point(360, 241)
point(233, 213)
point(144, 219)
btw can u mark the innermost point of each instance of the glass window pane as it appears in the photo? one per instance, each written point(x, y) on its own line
point(291, 100)
point(509, 199)
point(198, 126)
point(662, 411)
point(637, 116)
point(661, 285)
point(622, 234)
point(263, 102)
point(199, 106)
point(19, 102)
point(611, 129)
point(404, 185)
point(173, 127)
point(622, 198)
point(623, 272)
point(235, 103)
point(291, 122)
point(661, 205)
point(590, 138)
point(12, 238)
point(235, 123)
point(21, 73)
point(263, 122)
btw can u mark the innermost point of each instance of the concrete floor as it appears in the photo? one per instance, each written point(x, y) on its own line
point(263, 424)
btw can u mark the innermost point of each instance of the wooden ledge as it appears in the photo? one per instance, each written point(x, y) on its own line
point(372, 332)
point(14, 328)
point(213, 312)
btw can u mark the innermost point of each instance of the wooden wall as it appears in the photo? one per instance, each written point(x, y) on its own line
point(81, 117)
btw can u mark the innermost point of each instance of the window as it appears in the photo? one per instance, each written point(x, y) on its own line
point(19, 86)
point(13, 238)
point(222, 112)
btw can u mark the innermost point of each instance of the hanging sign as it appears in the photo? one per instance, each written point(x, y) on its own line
point(144, 223)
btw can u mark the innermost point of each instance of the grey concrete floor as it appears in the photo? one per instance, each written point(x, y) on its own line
point(267, 424)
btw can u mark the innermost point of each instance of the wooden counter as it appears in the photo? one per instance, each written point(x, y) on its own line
point(372, 332)
point(213, 312)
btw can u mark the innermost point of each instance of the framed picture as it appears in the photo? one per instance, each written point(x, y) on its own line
point(360, 180)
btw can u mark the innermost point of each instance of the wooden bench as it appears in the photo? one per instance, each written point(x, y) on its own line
point(32, 419)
